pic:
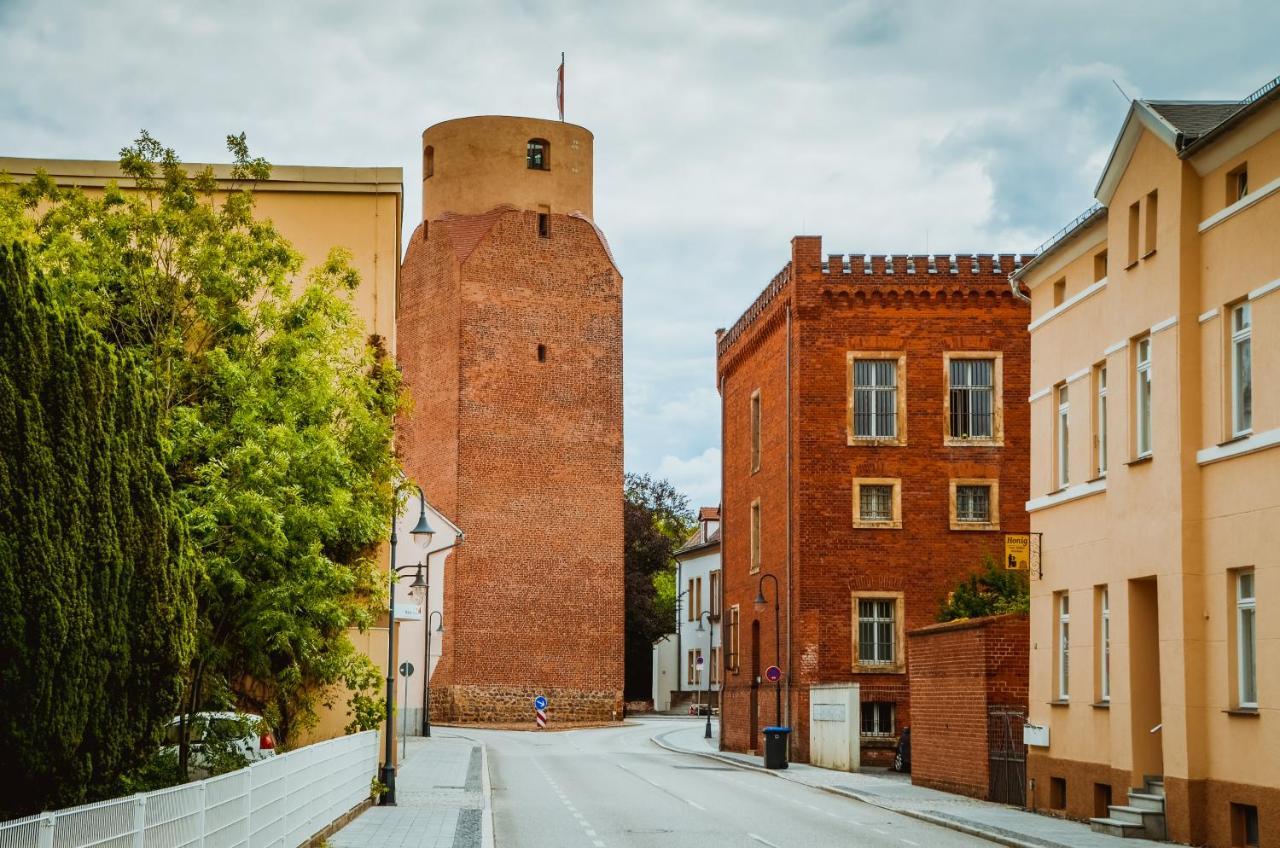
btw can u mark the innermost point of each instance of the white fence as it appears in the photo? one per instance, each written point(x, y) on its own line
point(279, 802)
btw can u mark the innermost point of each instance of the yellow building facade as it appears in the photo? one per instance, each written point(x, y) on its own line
point(1155, 483)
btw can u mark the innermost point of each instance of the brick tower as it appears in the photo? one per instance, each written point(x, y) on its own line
point(510, 330)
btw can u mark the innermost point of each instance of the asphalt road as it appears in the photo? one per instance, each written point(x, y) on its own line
point(608, 788)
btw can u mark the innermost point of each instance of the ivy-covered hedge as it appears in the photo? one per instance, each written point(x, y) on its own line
point(96, 594)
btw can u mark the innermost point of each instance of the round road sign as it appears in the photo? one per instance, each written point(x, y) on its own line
point(540, 702)
point(700, 662)
point(773, 674)
point(406, 669)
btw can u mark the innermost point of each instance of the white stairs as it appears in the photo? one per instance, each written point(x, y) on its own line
point(1142, 817)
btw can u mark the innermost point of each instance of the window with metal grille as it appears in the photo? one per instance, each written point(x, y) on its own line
point(538, 154)
point(875, 632)
point(972, 398)
point(877, 718)
point(875, 398)
point(973, 503)
point(875, 503)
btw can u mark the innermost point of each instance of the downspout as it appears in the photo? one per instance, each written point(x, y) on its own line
point(790, 664)
point(724, 677)
point(1016, 288)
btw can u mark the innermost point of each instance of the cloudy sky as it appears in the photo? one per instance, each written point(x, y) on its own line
point(722, 127)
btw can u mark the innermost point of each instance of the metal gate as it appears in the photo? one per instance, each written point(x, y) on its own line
point(1007, 756)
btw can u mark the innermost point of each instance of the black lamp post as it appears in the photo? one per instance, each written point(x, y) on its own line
point(711, 630)
point(777, 641)
point(421, 533)
point(426, 683)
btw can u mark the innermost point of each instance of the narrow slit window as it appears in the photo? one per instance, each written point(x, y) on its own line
point(428, 162)
point(1104, 644)
point(542, 353)
point(544, 225)
point(1246, 640)
point(1064, 436)
point(1064, 646)
point(1100, 379)
point(1133, 234)
point(1153, 206)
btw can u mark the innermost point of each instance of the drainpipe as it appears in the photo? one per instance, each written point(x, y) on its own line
point(790, 664)
point(1016, 288)
point(724, 677)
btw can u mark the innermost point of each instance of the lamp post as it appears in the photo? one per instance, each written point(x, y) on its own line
point(421, 533)
point(711, 631)
point(426, 682)
point(777, 640)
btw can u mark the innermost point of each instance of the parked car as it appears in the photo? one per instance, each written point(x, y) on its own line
point(902, 756)
point(222, 740)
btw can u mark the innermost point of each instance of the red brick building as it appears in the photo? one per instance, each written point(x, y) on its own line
point(510, 328)
point(875, 442)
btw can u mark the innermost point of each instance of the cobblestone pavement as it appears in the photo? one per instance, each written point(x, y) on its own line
point(440, 800)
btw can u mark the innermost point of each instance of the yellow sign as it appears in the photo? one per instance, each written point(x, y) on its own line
point(1017, 551)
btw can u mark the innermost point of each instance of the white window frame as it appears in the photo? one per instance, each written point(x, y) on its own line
point(1101, 423)
point(1104, 638)
point(1246, 649)
point(879, 728)
point(881, 395)
point(1062, 435)
point(1241, 342)
point(1142, 396)
point(878, 623)
point(1064, 646)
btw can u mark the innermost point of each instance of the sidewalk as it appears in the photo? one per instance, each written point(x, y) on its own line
point(442, 795)
point(995, 822)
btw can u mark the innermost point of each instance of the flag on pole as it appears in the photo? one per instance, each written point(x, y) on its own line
point(560, 87)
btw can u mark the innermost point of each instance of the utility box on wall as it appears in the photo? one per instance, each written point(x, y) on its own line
point(835, 726)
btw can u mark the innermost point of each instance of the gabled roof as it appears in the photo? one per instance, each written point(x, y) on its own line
point(696, 543)
point(1193, 118)
point(1185, 125)
point(709, 513)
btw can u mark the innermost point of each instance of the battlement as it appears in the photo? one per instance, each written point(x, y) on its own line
point(780, 280)
point(905, 265)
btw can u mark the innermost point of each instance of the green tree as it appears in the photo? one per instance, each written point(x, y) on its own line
point(277, 414)
point(96, 590)
point(657, 520)
point(993, 591)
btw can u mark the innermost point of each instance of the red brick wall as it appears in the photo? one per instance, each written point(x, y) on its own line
point(525, 456)
point(833, 312)
point(958, 670)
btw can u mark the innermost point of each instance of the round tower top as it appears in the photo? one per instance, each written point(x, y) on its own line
point(470, 165)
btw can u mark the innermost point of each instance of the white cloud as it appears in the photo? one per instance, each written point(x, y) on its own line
point(722, 127)
point(698, 477)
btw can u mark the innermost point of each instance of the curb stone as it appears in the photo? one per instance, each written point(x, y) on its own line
point(939, 821)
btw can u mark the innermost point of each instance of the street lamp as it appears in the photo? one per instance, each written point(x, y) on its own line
point(426, 683)
point(422, 534)
point(761, 603)
point(711, 630)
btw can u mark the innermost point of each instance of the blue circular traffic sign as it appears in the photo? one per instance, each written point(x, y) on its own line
point(773, 674)
point(540, 703)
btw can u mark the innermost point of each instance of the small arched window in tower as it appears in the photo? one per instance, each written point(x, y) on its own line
point(542, 353)
point(428, 161)
point(538, 154)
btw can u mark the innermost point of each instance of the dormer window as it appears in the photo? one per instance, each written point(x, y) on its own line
point(428, 162)
point(538, 154)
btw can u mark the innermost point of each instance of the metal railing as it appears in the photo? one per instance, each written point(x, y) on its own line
point(279, 802)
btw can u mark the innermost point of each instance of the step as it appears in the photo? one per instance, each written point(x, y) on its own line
point(1152, 821)
point(1146, 801)
point(1153, 783)
point(1115, 827)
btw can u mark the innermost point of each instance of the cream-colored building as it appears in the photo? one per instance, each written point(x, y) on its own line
point(1155, 481)
point(316, 209)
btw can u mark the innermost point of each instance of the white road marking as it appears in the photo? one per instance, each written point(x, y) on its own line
point(909, 842)
point(762, 840)
point(833, 815)
point(881, 832)
point(855, 821)
point(810, 806)
point(695, 804)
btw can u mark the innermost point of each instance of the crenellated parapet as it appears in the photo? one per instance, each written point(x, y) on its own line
point(779, 282)
point(904, 265)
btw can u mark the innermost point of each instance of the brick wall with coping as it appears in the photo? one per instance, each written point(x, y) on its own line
point(959, 670)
